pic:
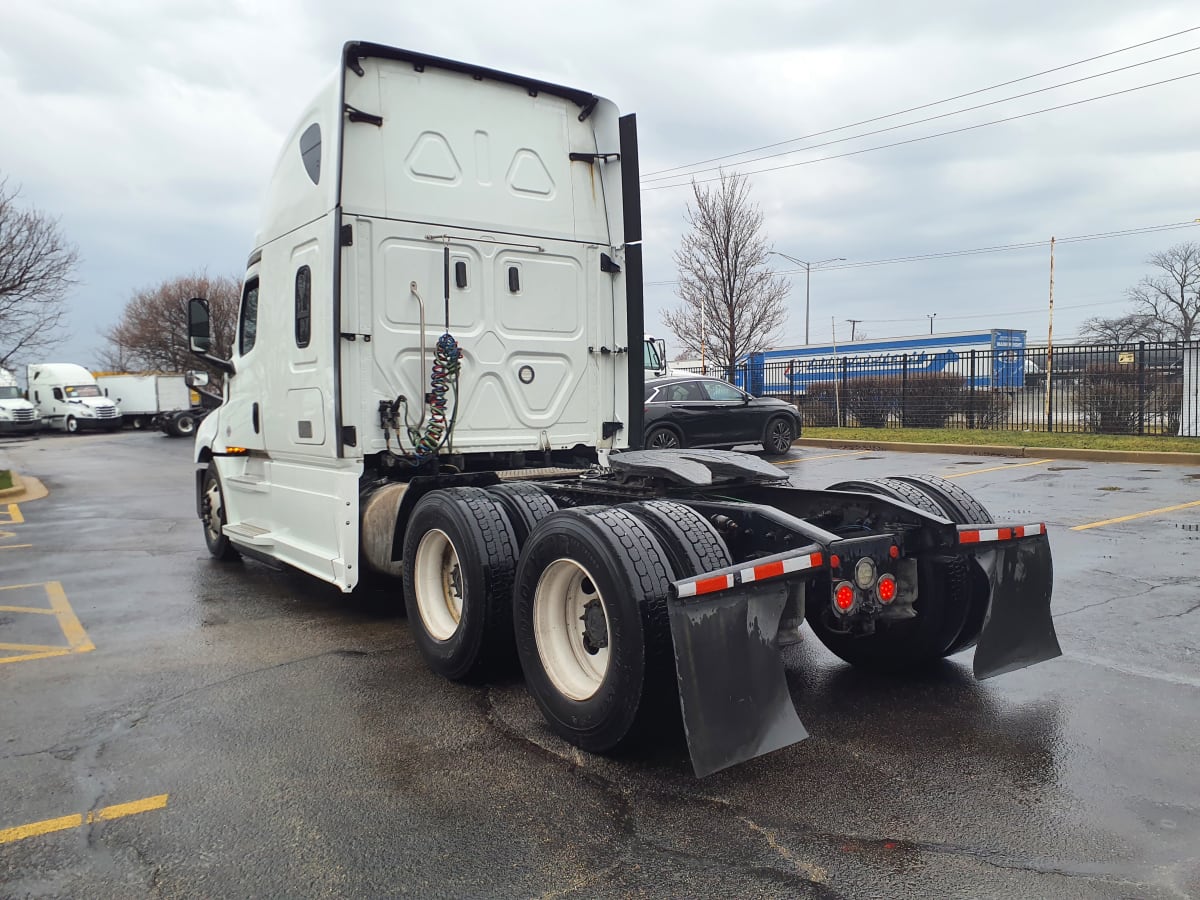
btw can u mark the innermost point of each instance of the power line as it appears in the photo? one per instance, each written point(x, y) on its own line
point(916, 140)
point(950, 254)
point(945, 115)
point(983, 90)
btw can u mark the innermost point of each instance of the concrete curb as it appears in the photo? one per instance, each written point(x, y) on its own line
point(23, 489)
point(1126, 456)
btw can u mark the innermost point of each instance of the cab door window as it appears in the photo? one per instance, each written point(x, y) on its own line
point(248, 321)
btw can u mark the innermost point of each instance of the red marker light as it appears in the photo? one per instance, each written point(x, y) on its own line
point(886, 589)
point(834, 561)
point(843, 597)
point(894, 552)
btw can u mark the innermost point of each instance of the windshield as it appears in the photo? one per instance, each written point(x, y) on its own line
point(10, 393)
point(82, 390)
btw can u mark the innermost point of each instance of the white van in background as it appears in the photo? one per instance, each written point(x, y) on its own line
point(16, 413)
point(67, 397)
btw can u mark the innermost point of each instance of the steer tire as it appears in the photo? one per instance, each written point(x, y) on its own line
point(213, 518)
point(692, 544)
point(612, 560)
point(962, 509)
point(459, 558)
point(72, 425)
point(525, 503)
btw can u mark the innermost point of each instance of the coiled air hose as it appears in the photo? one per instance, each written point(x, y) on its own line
point(442, 377)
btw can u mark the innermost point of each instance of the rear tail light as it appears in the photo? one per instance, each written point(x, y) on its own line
point(885, 589)
point(843, 597)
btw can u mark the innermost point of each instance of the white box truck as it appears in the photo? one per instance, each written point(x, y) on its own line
point(438, 375)
point(17, 415)
point(69, 400)
point(143, 397)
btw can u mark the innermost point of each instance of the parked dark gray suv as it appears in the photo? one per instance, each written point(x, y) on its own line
point(694, 411)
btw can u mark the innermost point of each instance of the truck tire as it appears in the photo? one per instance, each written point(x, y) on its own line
point(692, 544)
point(893, 489)
point(962, 509)
point(779, 436)
point(212, 516)
point(184, 424)
point(137, 423)
point(72, 425)
point(663, 437)
point(593, 634)
point(958, 506)
point(459, 559)
point(525, 503)
point(910, 644)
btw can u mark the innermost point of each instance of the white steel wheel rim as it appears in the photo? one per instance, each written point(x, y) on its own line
point(437, 583)
point(560, 601)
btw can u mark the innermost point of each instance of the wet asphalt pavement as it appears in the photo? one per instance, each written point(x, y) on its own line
point(306, 751)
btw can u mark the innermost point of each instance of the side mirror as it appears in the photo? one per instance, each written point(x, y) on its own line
point(196, 379)
point(199, 338)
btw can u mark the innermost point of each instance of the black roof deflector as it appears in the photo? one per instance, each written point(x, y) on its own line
point(356, 50)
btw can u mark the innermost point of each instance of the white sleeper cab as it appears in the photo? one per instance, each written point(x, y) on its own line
point(69, 400)
point(437, 381)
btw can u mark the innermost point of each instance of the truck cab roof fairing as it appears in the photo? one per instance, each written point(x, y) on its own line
point(356, 50)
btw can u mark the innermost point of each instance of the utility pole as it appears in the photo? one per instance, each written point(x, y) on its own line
point(807, 280)
point(853, 323)
point(1050, 339)
point(931, 317)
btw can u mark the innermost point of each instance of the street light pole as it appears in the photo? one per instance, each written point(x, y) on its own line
point(807, 281)
point(931, 317)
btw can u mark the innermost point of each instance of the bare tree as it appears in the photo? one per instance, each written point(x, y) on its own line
point(37, 268)
point(152, 333)
point(1173, 297)
point(733, 304)
point(1122, 330)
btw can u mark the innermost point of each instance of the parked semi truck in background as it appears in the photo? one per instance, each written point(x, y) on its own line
point(436, 379)
point(69, 400)
point(143, 397)
point(17, 415)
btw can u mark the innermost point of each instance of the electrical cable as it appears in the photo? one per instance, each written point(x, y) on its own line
point(945, 115)
point(928, 137)
point(902, 112)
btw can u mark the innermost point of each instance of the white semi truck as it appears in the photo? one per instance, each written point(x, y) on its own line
point(436, 379)
point(17, 415)
point(69, 400)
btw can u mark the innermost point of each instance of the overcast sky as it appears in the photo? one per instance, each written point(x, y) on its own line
point(150, 128)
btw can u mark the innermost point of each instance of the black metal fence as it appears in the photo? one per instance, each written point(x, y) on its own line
point(1145, 388)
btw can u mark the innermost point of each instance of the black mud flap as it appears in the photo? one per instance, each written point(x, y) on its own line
point(1018, 630)
point(732, 689)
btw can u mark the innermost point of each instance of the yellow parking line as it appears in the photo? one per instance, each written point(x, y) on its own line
point(33, 648)
point(67, 620)
point(64, 823)
point(29, 609)
point(1141, 515)
point(1036, 462)
point(14, 515)
point(61, 651)
point(792, 462)
point(15, 546)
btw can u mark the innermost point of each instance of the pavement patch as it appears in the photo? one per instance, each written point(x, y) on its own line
point(65, 823)
point(21, 600)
